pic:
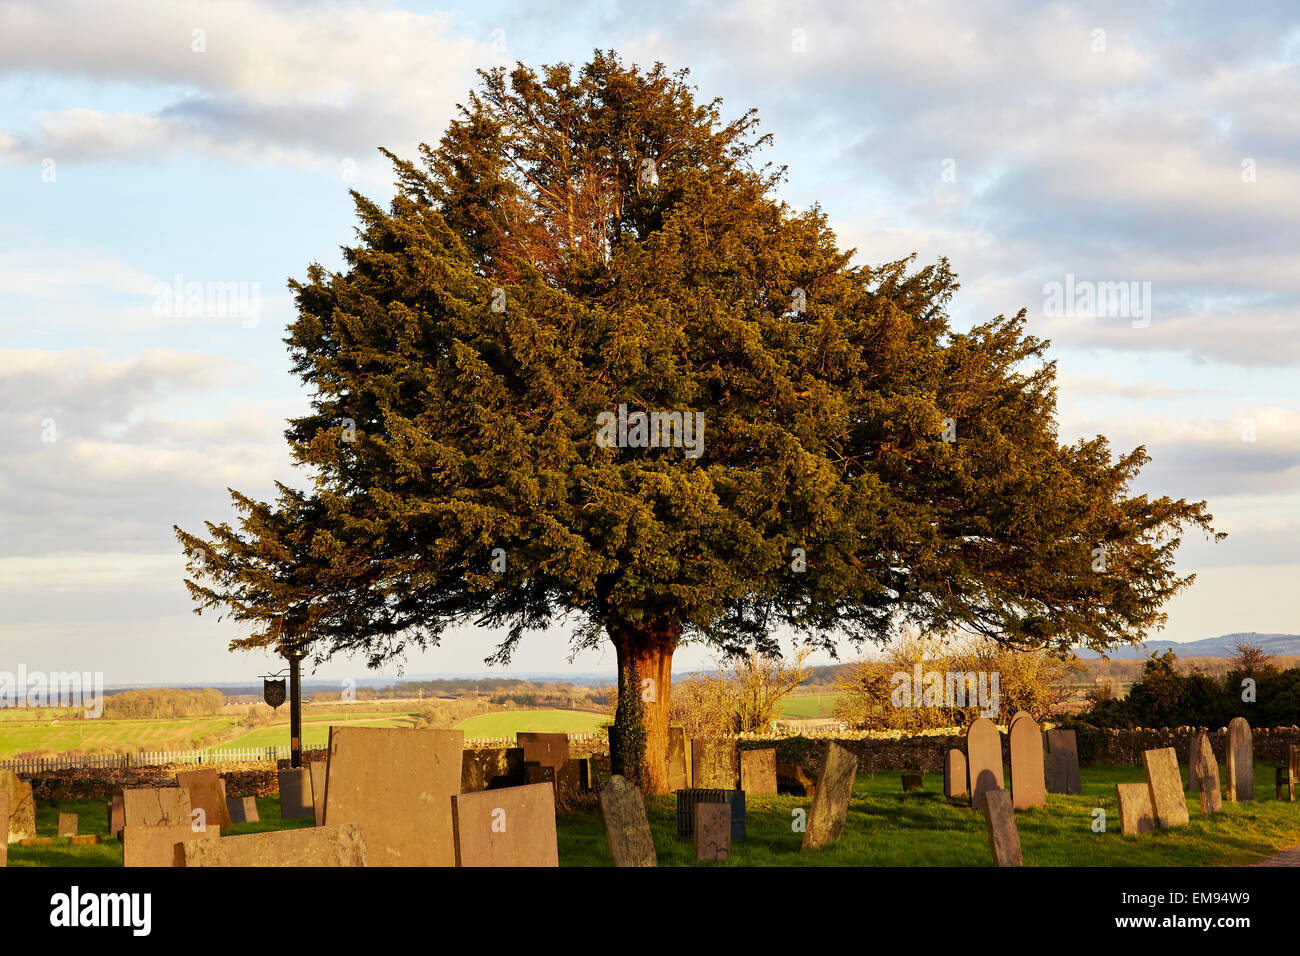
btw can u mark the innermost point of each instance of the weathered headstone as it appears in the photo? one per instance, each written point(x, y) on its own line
point(343, 845)
point(911, 782)
point(1194, 763)
point(758, 771)
point(549, 750)
point(316, 773)
point(295, 792)
point(1208, 772)
point(1293, 772)
point(954, 774)
point(1000, 819)
point(1062, 762)
point(206, 794)
point(85, 839)
point(1135, 814)
point(830, 806)
point(792, 779)
point(156, 807)
point(712, 831)
point(570, 777)
point(242, 810)
point(68, 824)
point(36, 841)
point(116, 816)
point(1028, 786)
point(1168, 802)
point(627, 829)
point(687, 798)
point(1241, 761)
point(513, 826)
point(157, 845)
point(540, 773)
point(398, 785)
point(983, 759)
point(713, 763)
point(22, 806)
point(491, 769)
point(679, 764)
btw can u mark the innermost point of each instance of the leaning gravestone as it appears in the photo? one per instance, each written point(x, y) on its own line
point(713, 763)
point(22, 807)
point(343, 845)
point(295, 792)
point(712, 831)
point(1000, 819)
point(679, 764)
point(1241, 761)
point(243, 810)
point(1194, 763)
point(983, 759)
point(627, 829)
point(758, 771)
point(830, 806)
point(549, 750)
point(1028, 787)
point(156, 807)
point(1168, 803)
point(157, 845)
point(1062, 762)
point(954, 774)
point(398, 785)
point(68, 824)
point(491, 769)
point(1208, 772)
point(316, 772)
point(1135, 815)
point(206, 794)
point(513, 826)
point(116, 816)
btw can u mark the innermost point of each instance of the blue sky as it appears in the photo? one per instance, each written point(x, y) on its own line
point(1026, 142)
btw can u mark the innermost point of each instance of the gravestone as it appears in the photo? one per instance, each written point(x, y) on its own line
point(156, 807)
point(1000, 820)
point(687, 798)
point(713, 763)
point(243, 810)
point(1168, 803)
point(398, 785)
point(793, 780)
point(911, 782)
point(4, 815)
point(1062, 762)
point(627, 829)
point(1135, 813)
point(954, 774)
point(830, 806)
point(1293, 772)
point(1028, 786)
point(540, 773)
point(1018, 714)
point(158, 845)
point(1208, 772)
point(513, 826)
point(549, 750)
point(1194, 763)
point(295, 792)
point(68, 824)
point(679, 764)
point(316, 772)
point(712, 826)
point(1241, 761)
point(570, 777)
point(206, 794)
point(758, 771)
point(36, 841)
point(491, 769)
point(85, 839)
point(22, 807)
point(116, 816)
point(343, 845)
point(983, 759)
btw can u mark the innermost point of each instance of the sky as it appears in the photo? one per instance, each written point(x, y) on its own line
point(1047, 150)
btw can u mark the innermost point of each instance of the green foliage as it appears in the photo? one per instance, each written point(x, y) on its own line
point(628, 734)
point(163, 702)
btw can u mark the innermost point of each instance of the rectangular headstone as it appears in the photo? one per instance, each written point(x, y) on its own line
point(206, 794)
point(1135, 815)
point(549, 750)
point(316, 773)
point(491, 769)
point(911, 782)
point(540, 773)
point(687, 798)
point(513, 826)
point(679, 767)
point(116, 816)
point(158, 845)
point(570, 776)
point(1208, 772)
point(954, 774)
point(712, 836)
point(343, 845)
point(1062, 762)
point(713, 763)
point(830, 806)
point(68, 824)
point(1000, 819)
point(1168, 802)
point(22, 806)
point(243, 810)
point(398, 785)
point(295, 792)
point(758, 771)
point(627, 829)
point(1241, 761)
point(1194, 764)
point(85, 839)
point(156, 807)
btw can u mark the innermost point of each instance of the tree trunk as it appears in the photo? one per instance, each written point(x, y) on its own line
point(647, 653)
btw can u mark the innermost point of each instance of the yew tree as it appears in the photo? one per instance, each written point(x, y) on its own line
point(584, 240)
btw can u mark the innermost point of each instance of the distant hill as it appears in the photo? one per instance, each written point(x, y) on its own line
point(1278, 645)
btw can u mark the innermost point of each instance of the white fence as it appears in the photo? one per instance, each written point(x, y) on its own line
point(30, 765)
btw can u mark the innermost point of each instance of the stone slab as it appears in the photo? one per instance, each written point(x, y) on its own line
point(792, 779)
point(712, 834)
point(1194, 764)
point(983, 759)
point(1028, 783)
point(911, 782)
point(157, 846)
point(714, 765)
point(1061, 762)
point(513, 826)
point(954, 774)
point(316, 773)
point(830, 806)
point(116, 816)
point(679, 764)
point(22, 806)
point(1135, 814)
point(627, 829)
point(1000, 820)
point(243, 810)
point(85, 839)
point(206, 794)
point(331, 846)
point(68, 824)
point(398, 785)
point(1241, 761)
point(295, 792)
point(758, 771)
point(491, 769)
point(1168, 802)
point(156, 807)
point(549, 750)
point(1208, 775)
point(36, 841)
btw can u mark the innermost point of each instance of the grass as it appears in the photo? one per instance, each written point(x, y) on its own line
point(315, 730)
point(885, 827)
point(808, 705)
point(507, 723)
point(57, 735)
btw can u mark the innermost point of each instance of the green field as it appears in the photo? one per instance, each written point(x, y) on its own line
point(507, 723)
point(316, 729)
point(808, 705)
point(885, 827)
point(59, 735)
